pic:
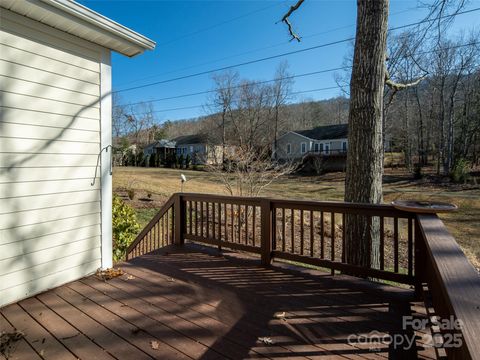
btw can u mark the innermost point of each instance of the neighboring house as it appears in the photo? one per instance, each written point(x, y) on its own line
point(162, 148)
point(323, 141)
point(55, 122)
point(199, 148)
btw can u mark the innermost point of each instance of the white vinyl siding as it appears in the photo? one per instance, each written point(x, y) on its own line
point(50, 215)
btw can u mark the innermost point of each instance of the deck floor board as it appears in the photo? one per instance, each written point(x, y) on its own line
point(193, 303)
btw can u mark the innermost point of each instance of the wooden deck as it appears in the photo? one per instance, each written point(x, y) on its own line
point(190, 303)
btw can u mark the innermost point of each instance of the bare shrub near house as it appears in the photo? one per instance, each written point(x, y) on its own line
point(247, 171)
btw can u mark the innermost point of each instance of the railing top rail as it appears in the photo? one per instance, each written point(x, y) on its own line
point(459, 281)
point(334, 206)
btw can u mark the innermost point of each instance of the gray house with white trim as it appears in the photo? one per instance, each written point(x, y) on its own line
point(323, 140)
point(56, 142)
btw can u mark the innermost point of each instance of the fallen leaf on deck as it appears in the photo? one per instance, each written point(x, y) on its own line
point(266, 340)
point(130, 277)
point(8, 340)
point(110, 273)
point(280, 315)
point(154, 344)
point(171, 279)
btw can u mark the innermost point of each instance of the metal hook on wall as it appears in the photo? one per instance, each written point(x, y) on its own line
point(98, 160)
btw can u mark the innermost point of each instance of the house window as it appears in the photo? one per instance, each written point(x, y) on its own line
point(327, 148)
point(321, 148)
point(303, 148)
point(191, 149)
point(316, 147)
point(344, 146)
point(289, 148)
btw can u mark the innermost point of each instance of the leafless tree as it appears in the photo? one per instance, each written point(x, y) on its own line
point(247, 172)
point(226, 85)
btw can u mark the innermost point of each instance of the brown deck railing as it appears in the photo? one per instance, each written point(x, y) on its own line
point(414, 249)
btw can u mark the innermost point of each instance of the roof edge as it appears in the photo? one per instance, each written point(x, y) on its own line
point(92, 17)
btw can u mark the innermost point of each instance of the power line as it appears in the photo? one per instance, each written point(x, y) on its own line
point(237, 86)
point(281, 55)
point(219, 24)
point(252, 51)
point(236, 65)
point(282, 78)
point(305, 91)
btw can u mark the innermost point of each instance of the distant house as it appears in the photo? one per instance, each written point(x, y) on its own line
point(323, 140)
point(161, 148)
point(199, 148)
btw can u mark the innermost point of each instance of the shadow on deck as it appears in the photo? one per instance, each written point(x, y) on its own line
point(193, 302)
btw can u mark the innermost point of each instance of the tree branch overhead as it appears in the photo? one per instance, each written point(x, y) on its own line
point(286, 20)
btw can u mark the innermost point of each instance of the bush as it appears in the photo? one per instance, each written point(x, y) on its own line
point(124, 226)
point(460, 172)
point(417, 172)
point(180, 161)
point(131, 193)
point(188, 161)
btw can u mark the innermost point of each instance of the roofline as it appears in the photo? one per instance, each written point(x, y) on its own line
point(98, 20)
point(294, 132)
point(122, 39)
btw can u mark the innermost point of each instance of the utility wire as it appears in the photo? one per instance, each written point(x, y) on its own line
point(219, 24)
point(233, 66)
point(237, 86)
point(284, 78)
point(252, 51)
point(281, 55)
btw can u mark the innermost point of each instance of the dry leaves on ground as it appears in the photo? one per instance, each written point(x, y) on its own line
point(8, 340)
point(110, 273)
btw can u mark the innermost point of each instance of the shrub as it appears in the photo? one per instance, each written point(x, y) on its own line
point(124, 226)
point(188, 161)
point(180, 161)
point(417, 171)
point(131, 193)
point(460, 172)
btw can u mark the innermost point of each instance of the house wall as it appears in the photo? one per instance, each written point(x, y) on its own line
point(200, 154)
point(50, 215)
point(295, 140)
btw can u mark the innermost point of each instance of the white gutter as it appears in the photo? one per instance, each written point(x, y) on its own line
point(98, 20)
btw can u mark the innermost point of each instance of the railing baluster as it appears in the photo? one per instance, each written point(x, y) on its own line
point(196, 218)
point(190, 219)
point(312, 242)
point(201, 219)
point(208, 218)
point(332, 235)
point(247, 207)
point(214, 221)
point(410, 246)
point(232, 223)
point(382, 243)
point(292, 224)
point(283, 229)
point(343, 238)
point(302, 239)
point(239, 220)
point(395, 244)
point(322, 236)
point(254, 227)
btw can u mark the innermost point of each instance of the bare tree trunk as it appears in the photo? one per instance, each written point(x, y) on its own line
point(365, 151)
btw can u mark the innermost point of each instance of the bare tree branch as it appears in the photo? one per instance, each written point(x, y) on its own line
point(286, 20)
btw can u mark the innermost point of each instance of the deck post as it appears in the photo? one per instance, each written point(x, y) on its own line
point(179, 218)
point(419, 259)
point(266, 231)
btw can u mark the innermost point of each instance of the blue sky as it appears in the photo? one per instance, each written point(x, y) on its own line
point(196, 36)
